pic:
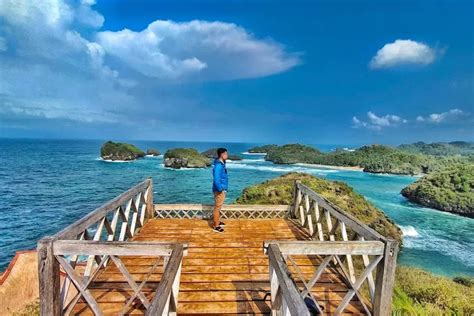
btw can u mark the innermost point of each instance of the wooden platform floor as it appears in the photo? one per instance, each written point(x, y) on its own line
point(222, 273)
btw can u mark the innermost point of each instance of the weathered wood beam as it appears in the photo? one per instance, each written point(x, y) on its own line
point(385, 278)
point(302, 247)
point(49, 282)
point(291, 296)
point(116, 248)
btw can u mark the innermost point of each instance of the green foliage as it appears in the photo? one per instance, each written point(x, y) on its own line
point(374, 158)
point(450, 189)
point(262, 149)
point(193, 157)
point(279, 191)
point(120, 151)
point(291, 153)
point(418, 292)
point(440, 149)
point(32, 309)
point(464, 280)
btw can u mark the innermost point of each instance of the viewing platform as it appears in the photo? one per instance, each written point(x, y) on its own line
point(131, 256)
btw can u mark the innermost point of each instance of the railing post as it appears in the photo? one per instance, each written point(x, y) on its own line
point(150, 212)
point(385, 279)
point(49, 282)
point(294, 208)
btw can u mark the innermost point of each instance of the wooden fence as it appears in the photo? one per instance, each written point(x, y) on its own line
point(342, 242)
point(98, 240)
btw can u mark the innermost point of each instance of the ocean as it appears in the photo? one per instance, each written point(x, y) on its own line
point(48, 184)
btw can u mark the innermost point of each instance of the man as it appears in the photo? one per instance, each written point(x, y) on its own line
point(219, 187)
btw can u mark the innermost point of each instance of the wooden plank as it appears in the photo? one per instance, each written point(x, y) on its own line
point(49, 283)
point(117, 248)
point(290, 294)
point(297, 247)
point(385, 278)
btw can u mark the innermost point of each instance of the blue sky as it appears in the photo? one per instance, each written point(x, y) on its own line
point(327, 72)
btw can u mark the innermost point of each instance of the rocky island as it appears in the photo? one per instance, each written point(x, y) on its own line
point(450, 189)
point(212, 153)
point(279, 191)
point(371, 158)
point(185, 158)
point(261, 149)
point(120, 151)
point(152, 152)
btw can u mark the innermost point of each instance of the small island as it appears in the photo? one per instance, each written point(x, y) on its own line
point(120, 151)
point(152, 152)
point(212, 153)
point(279, 191)
point(450, 189)
point(261, 149)
point(185, 158)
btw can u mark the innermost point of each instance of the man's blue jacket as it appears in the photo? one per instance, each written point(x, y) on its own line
point(219, 173)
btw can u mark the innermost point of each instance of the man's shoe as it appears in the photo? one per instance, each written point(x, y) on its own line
point(218, 229)
point(221, 224)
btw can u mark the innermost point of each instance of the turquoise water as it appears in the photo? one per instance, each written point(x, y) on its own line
point(47, 184)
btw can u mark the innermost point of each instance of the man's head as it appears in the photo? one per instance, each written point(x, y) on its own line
point(222, 153)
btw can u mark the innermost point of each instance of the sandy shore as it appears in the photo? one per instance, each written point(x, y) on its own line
point(311, 165)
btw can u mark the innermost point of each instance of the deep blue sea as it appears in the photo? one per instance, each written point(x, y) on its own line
point(48, 184)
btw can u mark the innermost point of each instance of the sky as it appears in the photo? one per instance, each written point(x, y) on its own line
point(318, 72)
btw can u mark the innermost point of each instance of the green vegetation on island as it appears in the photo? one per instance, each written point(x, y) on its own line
point(212, 153)
point(440, 149)
point(120, 151)
point(418, 292)
point(280, 190)
point(373, 158)
point(450, 189)
point(185, 158)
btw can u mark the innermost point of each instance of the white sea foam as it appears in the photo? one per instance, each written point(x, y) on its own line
point(256, 154)
point(409, 231)
point(152, 156)
point(107, 160)
point(276, 168)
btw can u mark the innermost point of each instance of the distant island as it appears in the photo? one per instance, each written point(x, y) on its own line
point(371, 158)
point(152, 152)
point(212, 153)
point(120, 151)
point(450, 189)
point(440, 149)
point(185, 158)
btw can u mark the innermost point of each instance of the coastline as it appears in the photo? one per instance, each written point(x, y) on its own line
point(313, 165)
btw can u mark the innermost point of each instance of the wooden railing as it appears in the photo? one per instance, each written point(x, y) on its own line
point(228, 211)
point(98, 240)
point(345, 244)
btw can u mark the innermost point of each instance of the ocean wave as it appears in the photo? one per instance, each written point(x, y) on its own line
point(256, 154)
point(278, 168)
point(409, 231)
point(107, 160)
point(428, 240)
point(152, 156)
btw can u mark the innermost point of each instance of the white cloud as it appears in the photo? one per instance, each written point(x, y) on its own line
point(53, 66)
point(447, 116)
point(197, 49)
point(375, 122)
point(403, 52)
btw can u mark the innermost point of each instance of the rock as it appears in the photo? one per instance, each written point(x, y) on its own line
point(120, 151)
point(185, 158)
point(212, 153)
point(152, 152)
point(261, 149)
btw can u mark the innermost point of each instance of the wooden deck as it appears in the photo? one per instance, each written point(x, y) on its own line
point(222, 273)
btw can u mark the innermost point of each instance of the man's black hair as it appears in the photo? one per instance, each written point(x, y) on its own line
point(220, 151)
